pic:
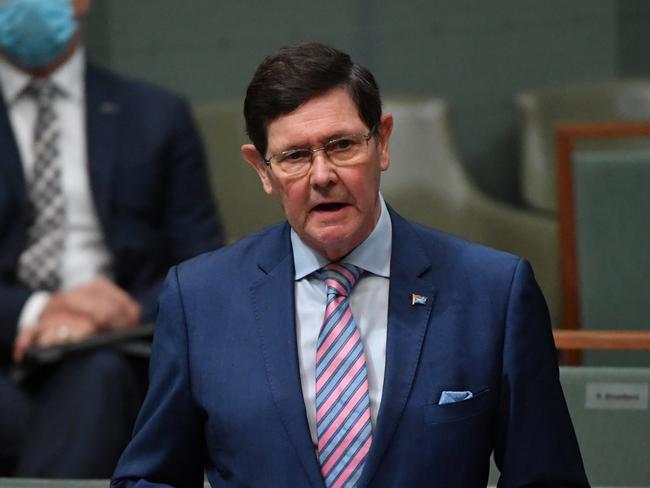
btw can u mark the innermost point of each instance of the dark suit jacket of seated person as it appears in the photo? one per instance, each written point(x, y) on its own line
point(441, 354)
point(140, 184)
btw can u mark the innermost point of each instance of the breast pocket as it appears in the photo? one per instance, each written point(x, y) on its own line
point(451, 412)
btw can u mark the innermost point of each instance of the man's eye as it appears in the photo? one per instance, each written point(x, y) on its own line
point(340, 144)
point(297, 156)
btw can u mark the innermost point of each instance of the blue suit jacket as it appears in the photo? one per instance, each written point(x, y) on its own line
point(149, 183)
point(225, 384)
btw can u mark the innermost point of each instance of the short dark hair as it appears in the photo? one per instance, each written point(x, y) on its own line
point(293, 75)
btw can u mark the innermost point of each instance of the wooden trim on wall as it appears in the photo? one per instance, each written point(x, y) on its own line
point(571, 340)
point(566, 136)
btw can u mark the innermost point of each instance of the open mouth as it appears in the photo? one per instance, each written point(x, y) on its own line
point(329, 207)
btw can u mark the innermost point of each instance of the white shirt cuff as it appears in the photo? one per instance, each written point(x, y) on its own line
point(32, 309)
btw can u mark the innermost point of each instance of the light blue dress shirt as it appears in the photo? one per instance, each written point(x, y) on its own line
point(369, 303)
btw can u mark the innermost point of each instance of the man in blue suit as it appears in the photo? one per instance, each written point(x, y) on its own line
point(347, 346)
point(125, 197)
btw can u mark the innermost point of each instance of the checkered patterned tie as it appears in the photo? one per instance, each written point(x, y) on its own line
point(342, 402)
point(39, 264)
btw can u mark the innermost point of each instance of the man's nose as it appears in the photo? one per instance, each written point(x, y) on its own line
point(322, 172)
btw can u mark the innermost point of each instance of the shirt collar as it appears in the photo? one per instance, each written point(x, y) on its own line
point(68, 78)
point(372, 255)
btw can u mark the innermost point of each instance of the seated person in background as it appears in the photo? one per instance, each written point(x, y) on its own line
point(103, 186)
point(270, 368)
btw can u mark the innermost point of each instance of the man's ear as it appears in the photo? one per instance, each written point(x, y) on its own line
point(385, 129)
point(254, 159)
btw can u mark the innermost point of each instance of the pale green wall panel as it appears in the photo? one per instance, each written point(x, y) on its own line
point(475, 54)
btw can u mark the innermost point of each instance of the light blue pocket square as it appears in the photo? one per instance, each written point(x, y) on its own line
point(454, 396)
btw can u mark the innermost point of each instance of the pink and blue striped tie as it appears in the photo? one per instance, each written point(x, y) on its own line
point(342, 402)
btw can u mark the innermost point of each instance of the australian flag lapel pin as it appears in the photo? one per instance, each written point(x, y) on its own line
point(418, 299)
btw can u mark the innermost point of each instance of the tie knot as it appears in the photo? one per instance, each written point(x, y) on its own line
point(42, 90)
point(340, 278)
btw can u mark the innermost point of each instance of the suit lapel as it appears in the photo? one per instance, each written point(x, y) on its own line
point(273, 305)
point(11, 164)
point(407, 326)
point(102, 113)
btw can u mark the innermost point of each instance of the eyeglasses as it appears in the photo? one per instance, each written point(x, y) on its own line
point(347, 150)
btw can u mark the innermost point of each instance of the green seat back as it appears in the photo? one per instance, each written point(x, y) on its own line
point(244, 206)
point(612, 208)
point(542, 109)
point(610, 413)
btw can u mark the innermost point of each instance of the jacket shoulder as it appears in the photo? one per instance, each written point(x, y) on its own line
point(234, 261)
point(131, 89)
point(463, 247)
point(464, 259)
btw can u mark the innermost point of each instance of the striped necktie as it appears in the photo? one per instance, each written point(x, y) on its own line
point(39, 264)
point(342, 402)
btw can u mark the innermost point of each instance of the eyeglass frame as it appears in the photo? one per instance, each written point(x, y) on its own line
point(373, 132)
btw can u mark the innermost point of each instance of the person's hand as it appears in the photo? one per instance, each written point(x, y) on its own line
point(56, 328)
point(77, 314)
point(108, 306)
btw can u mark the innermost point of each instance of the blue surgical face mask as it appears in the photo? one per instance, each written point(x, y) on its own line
point(33, 33)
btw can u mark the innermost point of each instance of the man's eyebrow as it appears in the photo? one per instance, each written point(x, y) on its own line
point(324, 140)
point(292, 147)
point(338, 135)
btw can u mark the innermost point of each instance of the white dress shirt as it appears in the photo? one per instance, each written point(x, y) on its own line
point(369, 303)
point(85, 254)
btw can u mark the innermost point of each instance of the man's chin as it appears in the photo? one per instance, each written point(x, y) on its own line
point(332, 241)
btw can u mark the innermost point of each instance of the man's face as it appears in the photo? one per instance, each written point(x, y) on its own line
point(333, 209)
